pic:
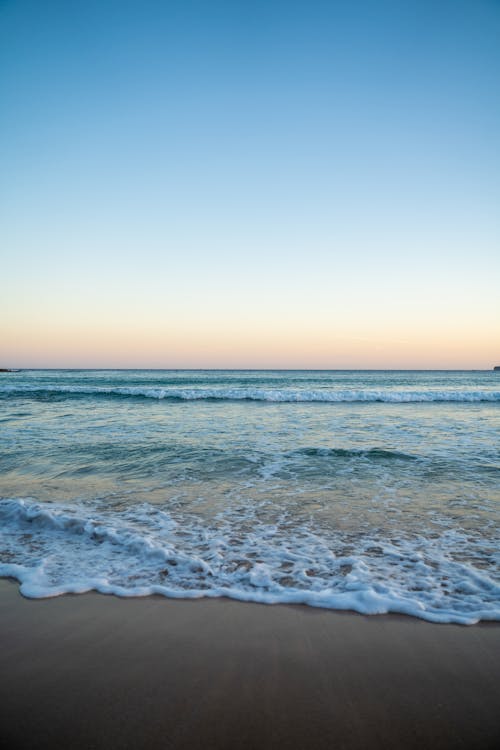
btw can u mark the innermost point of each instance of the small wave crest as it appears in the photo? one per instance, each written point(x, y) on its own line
point(370, 453)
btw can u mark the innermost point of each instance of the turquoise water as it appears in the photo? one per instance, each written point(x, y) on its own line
point(373, 491)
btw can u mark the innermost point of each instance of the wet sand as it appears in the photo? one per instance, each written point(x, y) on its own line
point(101, 672)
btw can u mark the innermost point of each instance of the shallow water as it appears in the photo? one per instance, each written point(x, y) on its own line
point(373, 491)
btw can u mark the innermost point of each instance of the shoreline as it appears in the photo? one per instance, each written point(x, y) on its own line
point(92, 670)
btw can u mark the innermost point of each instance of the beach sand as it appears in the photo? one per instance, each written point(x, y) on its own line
point(100, 672)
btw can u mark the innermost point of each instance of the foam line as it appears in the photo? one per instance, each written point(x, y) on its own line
point(53, 549)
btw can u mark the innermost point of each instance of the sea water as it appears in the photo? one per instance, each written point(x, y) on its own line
point(369, 491)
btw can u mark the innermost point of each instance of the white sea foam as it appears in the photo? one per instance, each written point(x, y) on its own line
point(277, 395)
point(52, 549)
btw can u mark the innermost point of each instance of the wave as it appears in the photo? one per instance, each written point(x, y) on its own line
point(53, 549)
point(254, 394)
point(372, 453)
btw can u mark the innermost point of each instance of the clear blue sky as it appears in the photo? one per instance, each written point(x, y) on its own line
point(250, 184)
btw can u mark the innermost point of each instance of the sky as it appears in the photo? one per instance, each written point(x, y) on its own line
point(256, 185)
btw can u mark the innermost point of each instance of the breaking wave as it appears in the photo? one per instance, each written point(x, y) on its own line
point(254, 394)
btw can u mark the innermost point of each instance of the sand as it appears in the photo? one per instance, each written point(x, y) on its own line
point(100, 672)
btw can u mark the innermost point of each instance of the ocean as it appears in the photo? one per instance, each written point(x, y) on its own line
point(362, 490)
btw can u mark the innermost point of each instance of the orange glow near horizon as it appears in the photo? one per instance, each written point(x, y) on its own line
point(243, 344)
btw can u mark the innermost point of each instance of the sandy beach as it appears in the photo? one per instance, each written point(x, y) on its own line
point(101, 672)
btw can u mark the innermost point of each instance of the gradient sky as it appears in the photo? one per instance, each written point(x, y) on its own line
point(250, 184)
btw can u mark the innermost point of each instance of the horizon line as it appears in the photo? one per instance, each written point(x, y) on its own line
point(254, 369)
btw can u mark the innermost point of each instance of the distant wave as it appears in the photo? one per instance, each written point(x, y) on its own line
point(275, 395)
